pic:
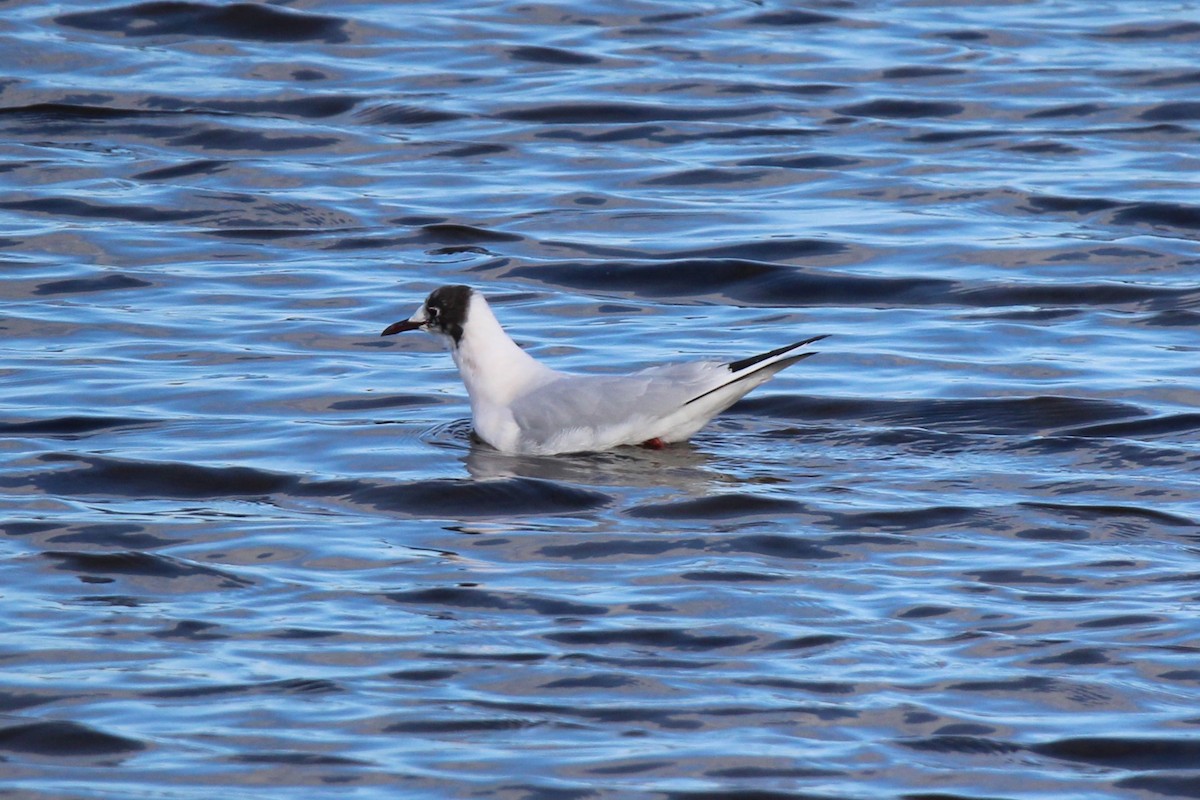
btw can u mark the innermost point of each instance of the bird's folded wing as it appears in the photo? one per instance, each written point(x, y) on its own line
point(599, 402)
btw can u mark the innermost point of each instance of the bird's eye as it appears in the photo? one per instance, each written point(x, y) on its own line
point(432, 312)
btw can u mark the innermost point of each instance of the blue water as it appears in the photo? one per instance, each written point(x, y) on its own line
point(250, 548)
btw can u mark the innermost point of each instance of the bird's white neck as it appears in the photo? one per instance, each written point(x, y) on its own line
point(493, 368)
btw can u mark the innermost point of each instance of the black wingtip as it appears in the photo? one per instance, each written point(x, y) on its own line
point(746, 363)
point(744, 369)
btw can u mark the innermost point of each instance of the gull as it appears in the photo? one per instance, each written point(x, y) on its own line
point(521, 406)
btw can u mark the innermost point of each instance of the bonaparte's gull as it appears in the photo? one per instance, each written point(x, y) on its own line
point(520, 405)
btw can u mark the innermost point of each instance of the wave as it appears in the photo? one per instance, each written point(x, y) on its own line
point(247, 21)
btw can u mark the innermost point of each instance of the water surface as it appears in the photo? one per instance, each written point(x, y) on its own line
point(250, 546)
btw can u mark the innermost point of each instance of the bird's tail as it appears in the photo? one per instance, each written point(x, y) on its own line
point(762, 366)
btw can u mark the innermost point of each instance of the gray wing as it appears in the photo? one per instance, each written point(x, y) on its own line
point(674, 400)
point(603, 402)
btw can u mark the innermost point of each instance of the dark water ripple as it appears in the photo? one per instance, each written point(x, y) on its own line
point(251, 548)
point(64, 740)
point(234, 21)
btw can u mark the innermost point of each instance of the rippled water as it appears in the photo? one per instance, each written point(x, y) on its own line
point(250, 547)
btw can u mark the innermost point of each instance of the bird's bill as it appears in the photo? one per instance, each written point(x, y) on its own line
point(411, 324)
point(401, 327)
